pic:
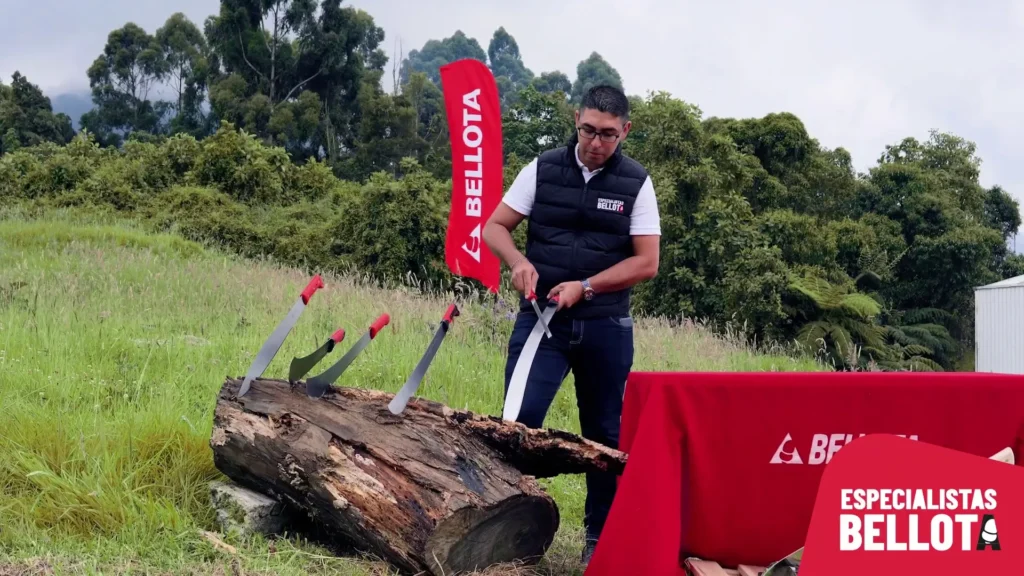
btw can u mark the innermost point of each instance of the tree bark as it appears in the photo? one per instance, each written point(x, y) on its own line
point(433, 489)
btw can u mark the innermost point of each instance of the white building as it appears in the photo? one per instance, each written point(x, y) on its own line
point(999, 327)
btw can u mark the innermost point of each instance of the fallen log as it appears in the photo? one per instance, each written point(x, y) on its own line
point(433, 489)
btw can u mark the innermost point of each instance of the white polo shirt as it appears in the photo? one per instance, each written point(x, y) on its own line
point(643, 221)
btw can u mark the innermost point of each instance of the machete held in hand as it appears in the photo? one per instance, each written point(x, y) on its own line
point(300, 366)
point(536, 308)
point(398, 403)
point(517, 384)
point(318, 385)
point(273, 343)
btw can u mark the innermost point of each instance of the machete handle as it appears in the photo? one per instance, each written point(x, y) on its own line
point(554, 299)
point(315, 284)
point(532, 295)
point(450, 314)
point(338, 336)
point(378, 324)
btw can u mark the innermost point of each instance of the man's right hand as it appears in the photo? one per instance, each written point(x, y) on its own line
point(524, 277)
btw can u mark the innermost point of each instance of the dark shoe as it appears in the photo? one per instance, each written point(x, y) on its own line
point(588, 552)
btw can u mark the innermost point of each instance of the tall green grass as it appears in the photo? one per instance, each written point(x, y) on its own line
point(114, 344)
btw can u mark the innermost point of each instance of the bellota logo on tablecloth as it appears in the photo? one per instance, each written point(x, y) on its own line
point(913, 507)
point(821, 449)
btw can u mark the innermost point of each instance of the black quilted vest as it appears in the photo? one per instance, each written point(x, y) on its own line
point(577, 229)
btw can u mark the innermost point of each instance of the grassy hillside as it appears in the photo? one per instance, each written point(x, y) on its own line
point(114, 343)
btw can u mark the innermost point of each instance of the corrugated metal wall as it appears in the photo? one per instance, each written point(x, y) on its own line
point(999, 330)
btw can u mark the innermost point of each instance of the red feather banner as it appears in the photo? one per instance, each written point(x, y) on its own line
point(474, 125)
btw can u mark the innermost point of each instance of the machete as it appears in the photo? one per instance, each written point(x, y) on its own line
point(517, 384)
point(398, 403)
point(318, 385)
point(273, 343)
point(300, 366)
point(536, 308)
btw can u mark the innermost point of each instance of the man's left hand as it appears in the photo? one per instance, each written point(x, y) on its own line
point(569, 293)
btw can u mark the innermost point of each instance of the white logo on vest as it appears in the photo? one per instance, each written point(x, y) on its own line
point(610, 205)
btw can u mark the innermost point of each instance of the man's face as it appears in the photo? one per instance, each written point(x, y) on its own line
point(599, 134)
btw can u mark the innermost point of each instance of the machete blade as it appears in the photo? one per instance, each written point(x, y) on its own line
point(273, 343)
point(517, 384)
point(317, 386)
point(300, 366)
point(398, 403)
point(540, 317)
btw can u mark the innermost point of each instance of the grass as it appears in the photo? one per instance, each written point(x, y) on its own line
point(114, 344)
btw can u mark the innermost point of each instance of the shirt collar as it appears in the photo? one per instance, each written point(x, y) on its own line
point(579, 162)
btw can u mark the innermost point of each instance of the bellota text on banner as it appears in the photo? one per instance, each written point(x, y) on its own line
point(474, 126)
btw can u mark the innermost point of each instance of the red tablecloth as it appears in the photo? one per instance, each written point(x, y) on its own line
point(725, 466)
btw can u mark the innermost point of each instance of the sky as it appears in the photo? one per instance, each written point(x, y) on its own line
point(859, 74)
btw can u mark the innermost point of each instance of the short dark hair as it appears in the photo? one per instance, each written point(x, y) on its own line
point(608, 99)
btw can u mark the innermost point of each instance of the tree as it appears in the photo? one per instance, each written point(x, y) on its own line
point(1002, 212)
point(430, 124)
point(797, 172)
point(955, 231)
point(837, 321)
point(121, 78)
point(266, 58)
point(186, 54)
point(387, 134)
point(593, 71)
point(27, 118)
point(437, 53)
point(552, 82)
point(536, 122)
point(352, 49)
point(506, 64)
point(291, 74)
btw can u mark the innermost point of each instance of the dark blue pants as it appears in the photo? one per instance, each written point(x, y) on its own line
point(599, 352)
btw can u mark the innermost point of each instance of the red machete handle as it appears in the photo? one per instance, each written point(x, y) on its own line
point(338, 336)
point(379, 323)
point(532, 295)
point(554, 299)
point(450, 314)
point(315, 284)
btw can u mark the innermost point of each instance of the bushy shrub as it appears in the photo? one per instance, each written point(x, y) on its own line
point(237, 164)
point(397, 227)
point(208, 216)
point(233, 192)
point(49, 171)
point(302, 234)
point(313, 180)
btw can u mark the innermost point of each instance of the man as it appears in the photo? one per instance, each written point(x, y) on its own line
point(593, 234)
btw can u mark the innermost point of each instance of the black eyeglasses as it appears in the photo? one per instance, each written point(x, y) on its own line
point(589, 133)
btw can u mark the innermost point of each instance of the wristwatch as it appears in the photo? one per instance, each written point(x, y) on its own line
point(588, 292)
